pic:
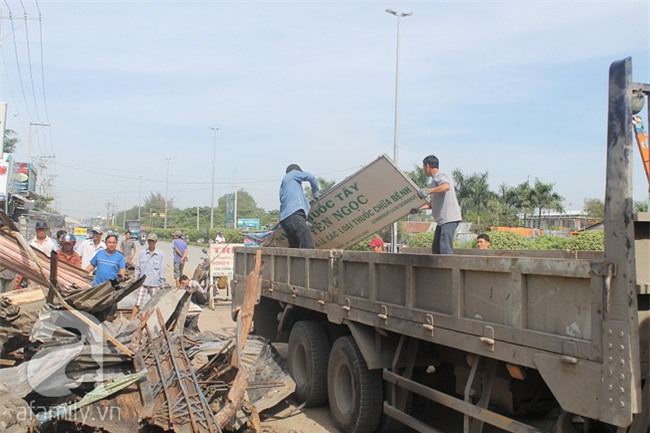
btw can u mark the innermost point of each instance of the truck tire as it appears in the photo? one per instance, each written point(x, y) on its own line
point(355, 393)
point(308, 352)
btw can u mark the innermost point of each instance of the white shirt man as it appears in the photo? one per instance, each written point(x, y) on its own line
point(42, 241)
point(88, 248)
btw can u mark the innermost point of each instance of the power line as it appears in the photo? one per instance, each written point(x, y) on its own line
point(40, 33)
point(226, 182)
point(20, 74)
point(29, 59)
point(11, 91)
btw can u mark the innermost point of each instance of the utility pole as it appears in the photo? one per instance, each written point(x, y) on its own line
point(124, 212)
point(139, 198)
point(214, 158)
point(29, 140)
point(167, 190)
point(399, 16)
point(235, 216)
point(108, 212)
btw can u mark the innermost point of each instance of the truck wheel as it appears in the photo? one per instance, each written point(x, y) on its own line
point(391, 425)
point(355, 393)
point(307, 358)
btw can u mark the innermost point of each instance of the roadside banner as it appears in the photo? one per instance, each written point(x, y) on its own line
point(222, 259)
point(253, 223)
point(371, 199)
point(5, 175)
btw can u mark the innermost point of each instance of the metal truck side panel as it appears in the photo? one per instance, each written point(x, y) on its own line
point(620, 287)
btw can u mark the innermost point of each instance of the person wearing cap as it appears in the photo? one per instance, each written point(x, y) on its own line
point(444, 206)
point(377, 245)
point(42, 241)
point(67, 253)
point(151, 263)
point(294, 206)
point(483, 242)
point(88, 248)
point(107, 263)
point(179, 246)
point(59, 236)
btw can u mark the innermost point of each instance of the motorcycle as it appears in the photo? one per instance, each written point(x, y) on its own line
point(202, 272)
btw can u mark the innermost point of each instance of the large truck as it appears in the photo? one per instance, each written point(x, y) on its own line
point(134, 226)
point(494, 336)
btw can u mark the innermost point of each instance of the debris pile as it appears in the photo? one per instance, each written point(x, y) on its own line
point(65, 367)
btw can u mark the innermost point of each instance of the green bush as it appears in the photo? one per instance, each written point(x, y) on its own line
point(361, 246)
point(546, 242)
point(421, 240)
point(587, 241)
point(509, 241)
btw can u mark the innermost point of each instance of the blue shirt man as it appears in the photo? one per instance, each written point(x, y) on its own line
point(109, 263)
point(294, 206)
point(180, 255)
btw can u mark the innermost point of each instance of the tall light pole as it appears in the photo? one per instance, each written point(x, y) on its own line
point(166, 190)
point(399, 16)
point(396, 137)
point(214, 159)
point(139, 198)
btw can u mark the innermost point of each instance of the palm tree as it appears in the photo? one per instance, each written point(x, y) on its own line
point(543, 197)
point(418, 176)
point(473, 192)
point(519, 198)
point(10, 142)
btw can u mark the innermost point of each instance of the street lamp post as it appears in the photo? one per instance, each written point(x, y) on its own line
point(214, 158)
point(166, 190)
point(140, 199)
point(399, 16)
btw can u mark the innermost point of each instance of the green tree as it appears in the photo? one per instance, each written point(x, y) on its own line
point(246, 207)
point(418, 176)
point(509, 205)
point(519, 198)
point(323, 185)
point(153, 210)
point(640, 206)
point(594, 208)
point(43, 203)
point(10, 142)
point(473, 194)
point(543, 197)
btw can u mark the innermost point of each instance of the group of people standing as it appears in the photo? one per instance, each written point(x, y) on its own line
point(102, 258)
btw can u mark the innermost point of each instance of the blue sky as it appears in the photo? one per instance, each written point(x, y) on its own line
point(514, 88)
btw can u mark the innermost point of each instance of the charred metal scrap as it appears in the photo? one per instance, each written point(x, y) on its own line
point(72, 372)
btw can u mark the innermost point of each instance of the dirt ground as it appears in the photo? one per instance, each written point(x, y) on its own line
point(286, 417)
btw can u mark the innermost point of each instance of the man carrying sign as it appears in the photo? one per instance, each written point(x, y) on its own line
point(444, 206)
point(294, 206)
